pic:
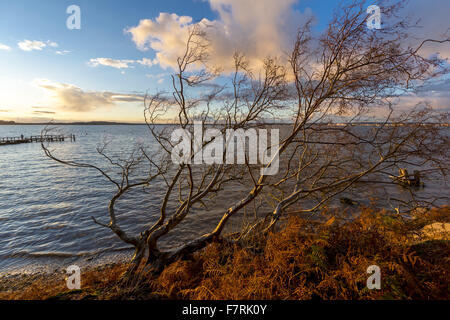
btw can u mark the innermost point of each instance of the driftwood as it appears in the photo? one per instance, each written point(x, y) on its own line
point(405, 179)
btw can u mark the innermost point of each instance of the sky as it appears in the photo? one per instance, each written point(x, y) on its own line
point(126, 48)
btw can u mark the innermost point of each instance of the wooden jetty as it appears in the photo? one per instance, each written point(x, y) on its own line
point(44, 138)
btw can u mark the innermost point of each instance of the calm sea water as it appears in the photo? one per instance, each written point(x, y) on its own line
point(46, 208)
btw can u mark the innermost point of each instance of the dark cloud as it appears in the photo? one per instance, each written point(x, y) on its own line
point(44, 112)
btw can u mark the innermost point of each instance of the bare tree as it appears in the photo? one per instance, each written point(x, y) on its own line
point(348, 71)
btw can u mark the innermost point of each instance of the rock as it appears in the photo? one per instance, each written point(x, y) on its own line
point(435, 231)
point(348, 201)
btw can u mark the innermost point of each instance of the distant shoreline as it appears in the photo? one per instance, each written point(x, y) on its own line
point(107, 123)
point(94, 123)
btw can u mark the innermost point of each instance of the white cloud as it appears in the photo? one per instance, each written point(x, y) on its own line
point(28, 45)
point(256, 28)
point(72, 98)
point(5, 47)
point(119, 64)
point(62, 52)
point(146, 62)
point(52, 44)
point(157, 76)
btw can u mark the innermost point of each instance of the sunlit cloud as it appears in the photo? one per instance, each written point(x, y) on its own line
point(256, 28)
point(119, 64)
point(5, 47)
point(28, 45)
point(146, 62)
point(68, 97)
point(260, 29)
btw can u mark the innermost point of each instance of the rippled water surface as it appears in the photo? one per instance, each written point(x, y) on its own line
point(46, 208)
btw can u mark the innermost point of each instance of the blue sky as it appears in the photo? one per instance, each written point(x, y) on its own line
point(29, 80)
